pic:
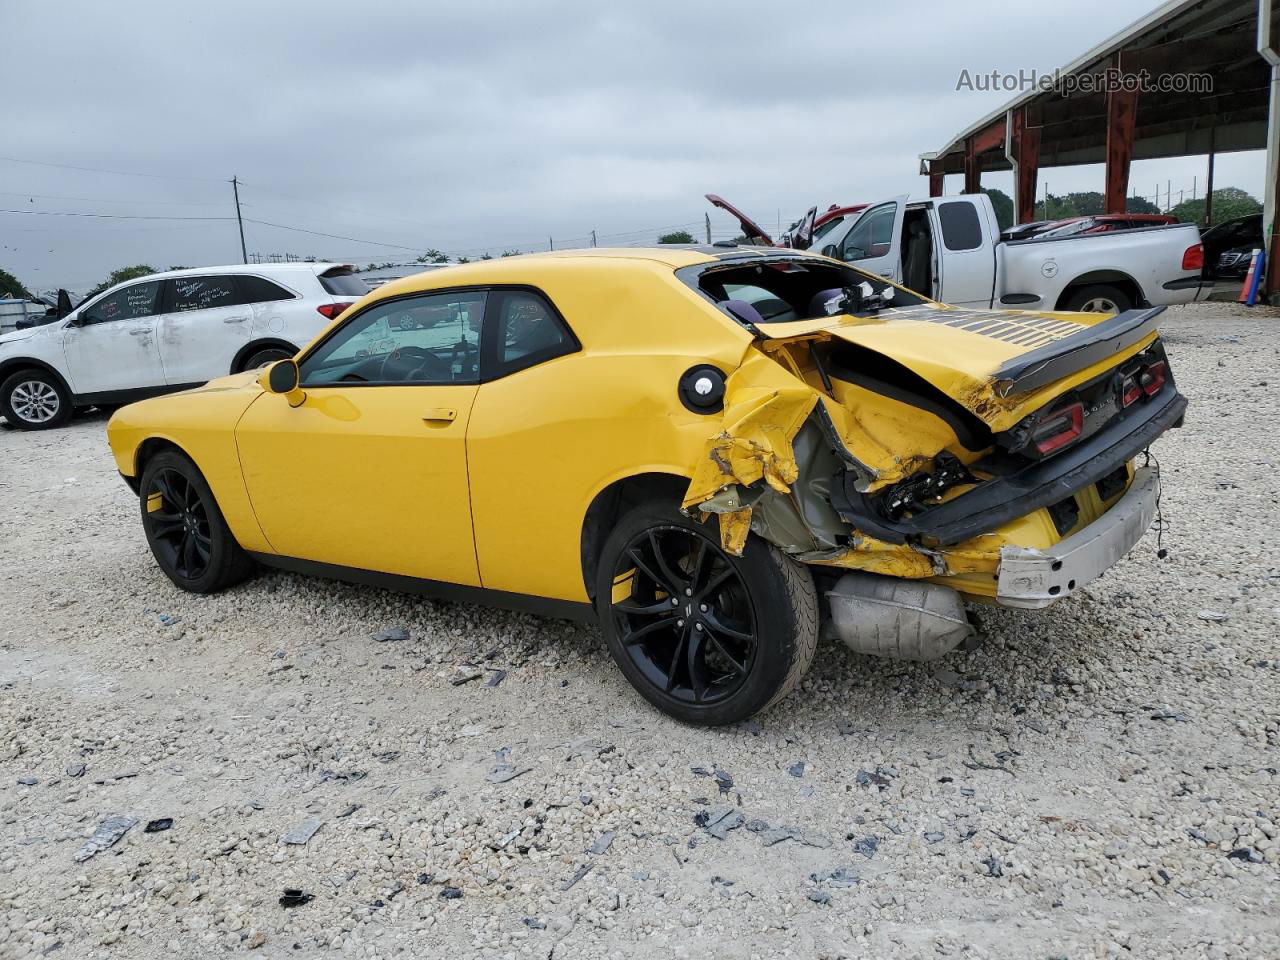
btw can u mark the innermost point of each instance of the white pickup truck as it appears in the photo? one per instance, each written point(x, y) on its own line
point(949, 249)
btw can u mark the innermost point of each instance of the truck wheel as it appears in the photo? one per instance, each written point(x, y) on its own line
point(35, 400)
point(1099, 298)
point(185, 529)
point(706, 637)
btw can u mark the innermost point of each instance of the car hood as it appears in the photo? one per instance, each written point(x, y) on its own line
point(998, 364)
point(15, 336)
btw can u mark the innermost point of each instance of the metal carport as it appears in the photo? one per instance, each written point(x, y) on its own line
point(1095, 116)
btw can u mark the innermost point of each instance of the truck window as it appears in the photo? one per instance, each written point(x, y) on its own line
point(872, 235)
point(960, 227)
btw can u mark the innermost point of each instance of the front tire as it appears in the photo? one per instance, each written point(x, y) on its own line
point(35, 400)
point(185, 529)
point(706, 637)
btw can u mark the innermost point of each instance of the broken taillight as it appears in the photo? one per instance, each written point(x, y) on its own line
point(1193, 258)
point(331, 310)
point(1152, 378)
point(1130, 390)
point(1145, 381)
point(1059, 428)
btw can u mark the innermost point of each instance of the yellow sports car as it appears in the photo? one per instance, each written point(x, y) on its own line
point(718, 453)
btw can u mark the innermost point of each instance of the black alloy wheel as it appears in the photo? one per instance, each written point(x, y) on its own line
point(178, 521)
point(704, 636)
point(689, 625)
point(185, 528)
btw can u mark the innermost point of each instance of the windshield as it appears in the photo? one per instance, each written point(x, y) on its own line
point(784, 290)
point(825, 228)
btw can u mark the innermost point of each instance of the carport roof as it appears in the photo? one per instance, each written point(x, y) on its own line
point(1215, 37)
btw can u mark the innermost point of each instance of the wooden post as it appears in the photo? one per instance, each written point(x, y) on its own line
point(235, 189)
point(1122, 115)
point(1026, 151)
point(972, 174)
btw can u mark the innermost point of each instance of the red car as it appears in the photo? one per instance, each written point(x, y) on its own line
point(799, 236)
point(1102, 223)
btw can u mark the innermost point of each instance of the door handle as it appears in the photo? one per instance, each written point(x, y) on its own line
point(235, 319)
point(440, 415)
point(140, 332)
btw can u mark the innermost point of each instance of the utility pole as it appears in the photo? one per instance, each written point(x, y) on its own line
point(708, 216)
point(235, 189)
point(593, 238)
point(551, 244)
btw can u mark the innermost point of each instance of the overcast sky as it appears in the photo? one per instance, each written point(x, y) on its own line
point(485, 126)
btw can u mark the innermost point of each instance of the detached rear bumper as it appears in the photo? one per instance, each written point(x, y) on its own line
point(1033, 578)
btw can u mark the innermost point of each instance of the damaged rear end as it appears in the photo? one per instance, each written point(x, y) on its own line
point(918, 456)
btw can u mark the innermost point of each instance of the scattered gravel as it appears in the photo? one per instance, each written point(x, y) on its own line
point(1099, 781)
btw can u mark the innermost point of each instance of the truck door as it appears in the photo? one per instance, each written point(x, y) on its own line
point(966, 253)
point(873, 242)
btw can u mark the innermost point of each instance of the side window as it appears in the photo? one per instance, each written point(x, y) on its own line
point(872, 235)
point(428, 339)
point(260, 290)
point(202, 293)
point(528, 330)
point(960, 227)
point(138, 300)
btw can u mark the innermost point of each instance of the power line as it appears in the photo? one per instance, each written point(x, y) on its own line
point(327, 206)
point(118, 173)
point(265, 223)
point(167, 203)
point(331, 236)
point(104, 216)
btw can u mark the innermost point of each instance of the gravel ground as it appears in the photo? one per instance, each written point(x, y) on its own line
point(1100, 780)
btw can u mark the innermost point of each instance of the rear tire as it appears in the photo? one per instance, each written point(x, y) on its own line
point(34, 399)
point(706, 637)
point(260, 358)
point(266, 355)
point(1099, 298)
point(185, 529)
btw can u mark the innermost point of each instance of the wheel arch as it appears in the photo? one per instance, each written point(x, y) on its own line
point(146, 451)
point(1116, 278)
point(12, 365)
point(615, 499)
point(249, 349)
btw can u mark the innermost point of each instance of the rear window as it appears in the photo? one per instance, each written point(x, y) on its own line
point(261, 290)
point(343, 282)
point(960, 227)
point(783, 290)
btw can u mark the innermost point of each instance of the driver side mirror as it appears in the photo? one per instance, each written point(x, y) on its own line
point(283, 377)
point(829, 250)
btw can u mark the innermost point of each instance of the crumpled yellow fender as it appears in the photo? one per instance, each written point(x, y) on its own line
point(766, 403)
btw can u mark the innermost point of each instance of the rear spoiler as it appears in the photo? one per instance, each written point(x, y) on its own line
point(1066, 356)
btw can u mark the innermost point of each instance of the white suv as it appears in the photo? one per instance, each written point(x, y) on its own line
point(166, 332)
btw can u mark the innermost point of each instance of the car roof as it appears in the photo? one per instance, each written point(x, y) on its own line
point(264, 269)
point(515, 269)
